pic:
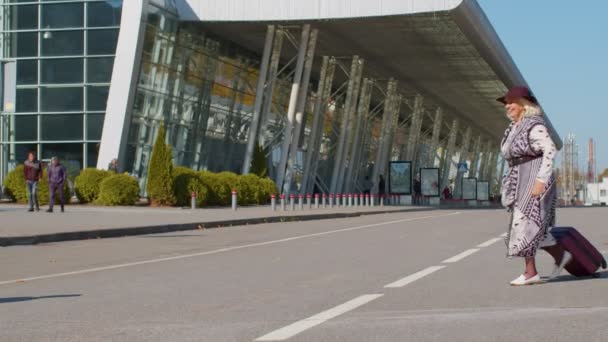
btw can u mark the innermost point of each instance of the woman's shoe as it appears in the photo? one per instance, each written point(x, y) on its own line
point(558, 268)
point(521, 280)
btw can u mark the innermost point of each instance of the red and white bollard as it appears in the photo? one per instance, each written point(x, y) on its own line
point(292, 202)
point(300, 202)
point(344, 201)
point(193, 201)
point(331, 201)
point(373, 201)
point(282, 202)
point(356, 200)
point(316, 201)
point(234, 199)
point(309, 201)
point(382, 200)
point(273, 202)
point(350, 200)
point(324, 200)
point(367, 204)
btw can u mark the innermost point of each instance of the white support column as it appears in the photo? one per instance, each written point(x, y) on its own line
point(302, 101)
point(435, 138)
point(331, 71)
point(291, 111)
point(335, 181)
point(476, 156)
point(346, 158)
point(317, 128)
point(464, 151)
point(485, 161)
point(124, 83)
point(259, 99)
point(362, 112)
point(387, 121)
point(396, 109)
point(450, 148)
point(414, 133)
point(272, 79)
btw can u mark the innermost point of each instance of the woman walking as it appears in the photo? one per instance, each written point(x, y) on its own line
point(528, 189)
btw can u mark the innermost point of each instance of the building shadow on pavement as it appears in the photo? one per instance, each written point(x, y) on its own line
point(27, 299)
point(170, 236)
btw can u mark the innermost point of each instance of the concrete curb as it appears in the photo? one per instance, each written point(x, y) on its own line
point(166, 228)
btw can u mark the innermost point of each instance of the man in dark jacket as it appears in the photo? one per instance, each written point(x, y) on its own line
point(32, 170)
point(57, 177)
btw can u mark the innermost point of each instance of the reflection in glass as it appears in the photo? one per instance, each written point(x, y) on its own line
point(68, 70)
point(64, 15)
point(62, 43)
point(60, 127)
point(61, 99)
point(104, 13)
point(27, 100)
point(26, 127)
point(27, 72)
point(99, 70)
point(102, 42)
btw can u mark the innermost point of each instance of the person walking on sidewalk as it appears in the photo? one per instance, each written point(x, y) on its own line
point(529, 188)
point(32, 169)
point(57, 176)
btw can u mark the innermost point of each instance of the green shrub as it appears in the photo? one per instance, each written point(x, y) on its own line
point(248, 187)
point(86, 185)
point(119, 189)
point(16, 187)
point(268, 188)
point(186, 181)
point(220, 191)
point(160, 172)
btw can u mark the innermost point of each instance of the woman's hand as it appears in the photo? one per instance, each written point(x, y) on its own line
point(538, 188)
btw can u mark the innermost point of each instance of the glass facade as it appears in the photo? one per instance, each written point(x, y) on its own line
point(63, 54)
point(203, 89)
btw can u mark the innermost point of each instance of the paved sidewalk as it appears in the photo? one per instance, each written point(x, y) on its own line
point(18, 227)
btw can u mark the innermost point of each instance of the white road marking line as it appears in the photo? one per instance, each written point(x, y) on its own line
point(489, 242)
point(305, 324)
point(461, 256)
point(413, 277)
point(222, 250)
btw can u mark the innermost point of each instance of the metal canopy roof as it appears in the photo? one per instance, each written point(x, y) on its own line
point(453, 58)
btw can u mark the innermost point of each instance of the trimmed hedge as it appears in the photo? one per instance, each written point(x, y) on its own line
point(87, 184)
point(16, 187)
point(119, 189)
point(220, 191)
point(185, 182)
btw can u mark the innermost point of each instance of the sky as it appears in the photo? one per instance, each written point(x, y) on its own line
point(561, 48)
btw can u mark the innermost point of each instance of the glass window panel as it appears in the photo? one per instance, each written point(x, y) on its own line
point(68, 70)
point(24, 17)
point(27, 72)
point(97, 98)
point(62, 43)
point(104, 13)
point(24, 44)
point(22, 151)
point(62, 15)
point(26, 127)
point(61, 99)
point(92, 154)
point(59, 127)
point(102, 42)
point(99, 70)
point(70, 155)
point(27, 100)
point(94, 126)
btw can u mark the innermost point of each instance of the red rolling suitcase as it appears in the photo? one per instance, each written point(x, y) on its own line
point(586, 259)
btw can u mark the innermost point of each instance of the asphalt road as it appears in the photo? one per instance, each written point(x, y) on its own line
point(426, 276)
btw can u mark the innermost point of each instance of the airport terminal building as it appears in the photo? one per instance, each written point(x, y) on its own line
point(332, 91)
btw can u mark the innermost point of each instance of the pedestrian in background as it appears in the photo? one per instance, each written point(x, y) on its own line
point(57, 177)
point(367, 186)
point(417, 191)
point(529, 188)
point(32, 169)
point(381, 186)
point(113, 166)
